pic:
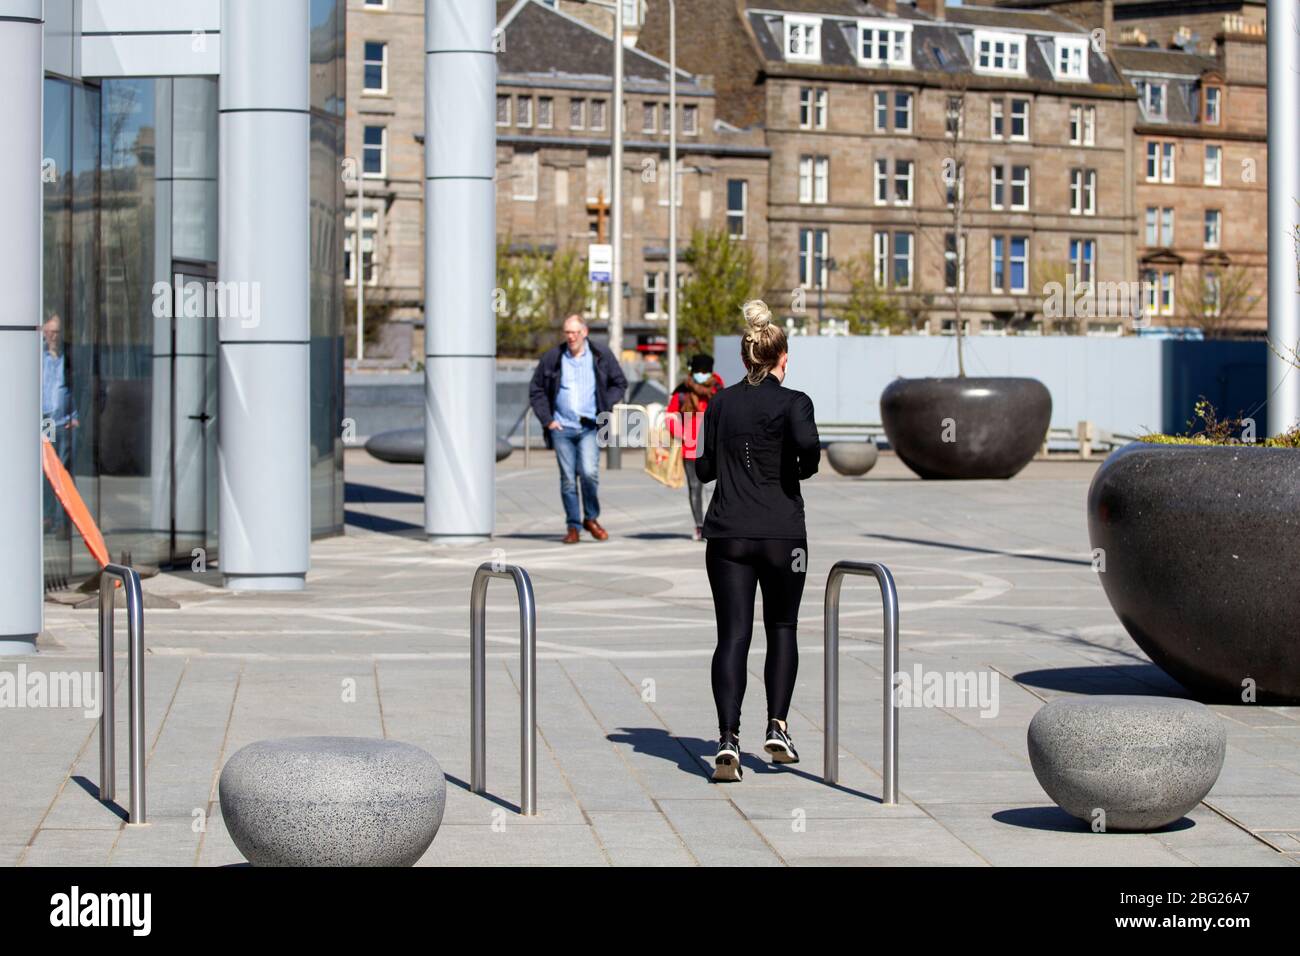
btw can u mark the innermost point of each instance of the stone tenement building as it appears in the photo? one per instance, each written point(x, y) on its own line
point(1201, 169)
point(553, 158)
point(1188, 25)
point(825, 125)
point(1200, 70)
point(1056, 120)
point(871, 110)
point(385, 133)
point(554, 86)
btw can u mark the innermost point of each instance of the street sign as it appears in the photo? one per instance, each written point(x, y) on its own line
point(600, 262)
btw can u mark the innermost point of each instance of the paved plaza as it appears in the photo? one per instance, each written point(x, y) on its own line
point(993, 577)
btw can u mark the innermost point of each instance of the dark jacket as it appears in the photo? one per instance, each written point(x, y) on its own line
point(611, 386)
point(760, 441)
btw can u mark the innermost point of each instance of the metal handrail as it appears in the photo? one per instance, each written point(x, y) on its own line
point(889, 600)
point(527, 681)
point(135, 672)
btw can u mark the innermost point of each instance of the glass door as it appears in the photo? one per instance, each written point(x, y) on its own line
point(193, 415)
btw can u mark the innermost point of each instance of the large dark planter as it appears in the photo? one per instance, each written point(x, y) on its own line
point(1201, 548)
point(966, 427)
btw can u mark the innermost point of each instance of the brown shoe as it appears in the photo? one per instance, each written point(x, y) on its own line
point(597, 532)
point(571, 536)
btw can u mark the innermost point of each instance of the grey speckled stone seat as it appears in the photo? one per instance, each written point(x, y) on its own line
point(852, 457)
point(1145, 761)
point(332, 801)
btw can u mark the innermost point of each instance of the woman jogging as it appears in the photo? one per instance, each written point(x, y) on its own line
point(759, 442)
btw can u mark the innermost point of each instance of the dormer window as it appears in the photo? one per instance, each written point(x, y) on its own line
point(1153, 96)
point(885, 43)
point(999, 52)
point(803, 38)
point(1213, 105)
point(1071, 58)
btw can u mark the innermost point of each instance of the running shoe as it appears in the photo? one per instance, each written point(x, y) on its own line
point(779, 744)
point(726, 765)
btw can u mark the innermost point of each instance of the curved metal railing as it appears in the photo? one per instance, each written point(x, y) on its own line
point(889, 599)
point(527, 681)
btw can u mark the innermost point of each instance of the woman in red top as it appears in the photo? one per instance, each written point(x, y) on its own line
point(685, 413)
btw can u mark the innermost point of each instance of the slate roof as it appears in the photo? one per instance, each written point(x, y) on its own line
point(1182, 103)
point(842, 8)
point(1162, 61)
point(1039, 20)
point(944, 46)
point(544, 44)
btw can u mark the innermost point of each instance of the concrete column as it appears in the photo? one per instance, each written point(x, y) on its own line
point(264, 407)
point(21, 85)
point(460, 270)
point(1283, 214)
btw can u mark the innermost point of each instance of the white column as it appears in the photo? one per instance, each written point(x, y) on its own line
point(21, 83)
point(1283, 193)
point(264, 411)
point(460, 270)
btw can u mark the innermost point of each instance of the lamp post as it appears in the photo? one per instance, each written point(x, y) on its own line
point(616, 191)
point(615, 328)
point(359, 260)
point(672, 195)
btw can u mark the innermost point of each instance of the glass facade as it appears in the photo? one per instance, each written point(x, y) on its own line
point(130, 179)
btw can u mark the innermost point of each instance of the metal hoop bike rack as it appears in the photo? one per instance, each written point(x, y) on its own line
point(130, 579)
point(889, 599)
point(527, 681)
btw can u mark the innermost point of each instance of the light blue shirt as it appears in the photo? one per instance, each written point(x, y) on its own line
point(56, 397)
point(576, 398)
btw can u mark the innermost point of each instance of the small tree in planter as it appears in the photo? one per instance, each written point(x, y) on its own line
point(1218, 300)
point(963, 427)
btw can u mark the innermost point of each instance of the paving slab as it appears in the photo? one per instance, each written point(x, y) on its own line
point(994, 579)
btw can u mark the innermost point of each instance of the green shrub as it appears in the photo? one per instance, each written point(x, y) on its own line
point(1208, 429)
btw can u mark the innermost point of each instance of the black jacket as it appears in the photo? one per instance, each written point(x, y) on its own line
point(760, 441)
point(611, 385)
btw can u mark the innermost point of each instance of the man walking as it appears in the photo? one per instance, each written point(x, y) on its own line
point(574, 383)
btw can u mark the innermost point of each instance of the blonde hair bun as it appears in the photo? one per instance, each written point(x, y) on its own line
point(763, 343)
point(757, 315)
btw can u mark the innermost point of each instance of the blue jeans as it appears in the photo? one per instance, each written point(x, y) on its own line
point(578, 456)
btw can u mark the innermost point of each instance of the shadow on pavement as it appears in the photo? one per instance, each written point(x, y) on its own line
point(93, 790)
point(355, 492)
point(1058, 821)
point(695, 756)
point(383, 525)
point(1133, 679)
point(1083, 562)
point(499, 801)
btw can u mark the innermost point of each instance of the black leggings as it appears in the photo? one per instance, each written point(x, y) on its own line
point(736, 566)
